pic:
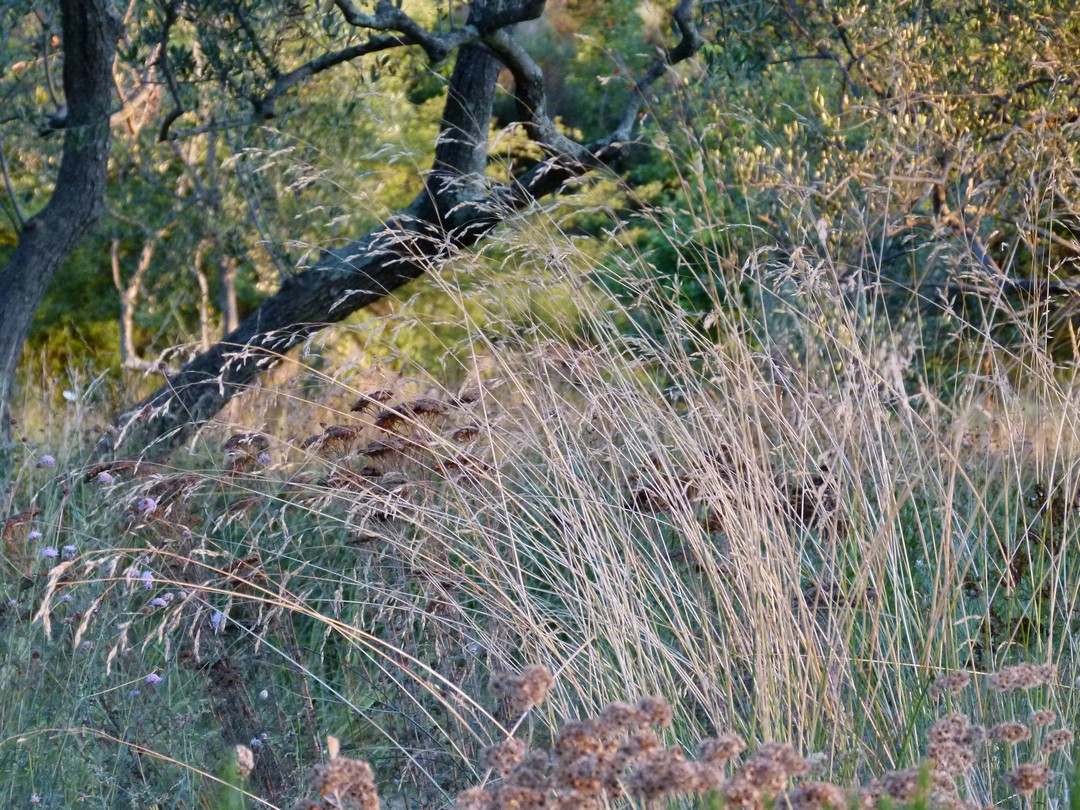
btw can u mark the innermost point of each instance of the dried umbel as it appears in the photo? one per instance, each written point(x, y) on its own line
point(1028, 777)
point(526, 690)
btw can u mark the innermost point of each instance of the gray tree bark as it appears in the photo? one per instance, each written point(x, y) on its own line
point(90, 31)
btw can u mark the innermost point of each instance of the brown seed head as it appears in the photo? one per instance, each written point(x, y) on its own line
point(1010, 733)
point(1057, 740)
point(721, 750)
point(1028, 778)
point(350, 782)
point(504, 756)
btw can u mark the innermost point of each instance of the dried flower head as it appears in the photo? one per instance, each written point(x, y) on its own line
point(948, 729)
point(1028, 777)
point(654, 711)
point(349, 782)
point(1022, 676)
point(1043, 717)
point(1010, 733)
point(1057, 740)
point(951, 683)
point(784, 755)
point(814, 796)
point(525, 690)
point(367, 401)
point(504, 756)
point(474, 799)
point(950, 757)
point(739, 793)
point(245, 761)
point(721, 750)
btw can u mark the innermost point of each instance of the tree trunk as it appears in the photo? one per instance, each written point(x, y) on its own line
point(349, 278)
point(449, 214)
point(90, 32)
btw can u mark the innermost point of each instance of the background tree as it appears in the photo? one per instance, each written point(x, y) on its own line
point(90, 32)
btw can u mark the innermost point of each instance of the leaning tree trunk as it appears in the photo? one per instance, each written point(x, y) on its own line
point(456, 209)
point(347, 279)
point(90, 32)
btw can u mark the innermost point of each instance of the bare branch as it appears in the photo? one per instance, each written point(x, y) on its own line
point(388, 17)
point(264, 106)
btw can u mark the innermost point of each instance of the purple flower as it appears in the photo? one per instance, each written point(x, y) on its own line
point(132, 572)
point(85, 645)
point(34, 535)
point(168, 597)
point(264, 458)
point(50, 552)
point(67, 597)
point(104, 478)
point(153, 679)
point(147, 578)
point(217, 621)
point(35, 799)
point(70, 551)
point(146, 504)
point(157, 601)
point(47, 461)
point(133, 693)
point(264, 736)
point(255, 742)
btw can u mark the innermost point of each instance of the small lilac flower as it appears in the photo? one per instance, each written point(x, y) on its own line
point(50, 552)
point(133, 693)
point(153, 679)
point(255, 742)
point(132, 572)
point(146, 504)
point(67, 597)
point(217, 621)
point(35, 799)
point(264, 458)
point(168, 597)
point(263, 695)
point(105, 478)
point(47, 461)
point(70, 551)
point(147, 578)
point(12, 602)
point(85, 645)
point(264, 736)
point(33, 535)
point(157, 601)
